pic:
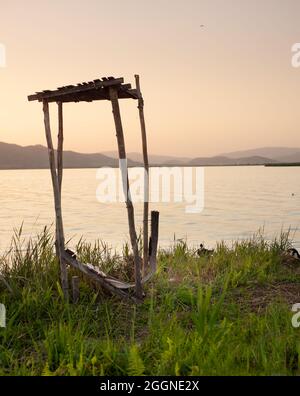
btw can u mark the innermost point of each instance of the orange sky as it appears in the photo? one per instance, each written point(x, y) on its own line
point(229, 85)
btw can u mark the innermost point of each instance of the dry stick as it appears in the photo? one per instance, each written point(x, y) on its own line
point(57, 204)
point(154, 240)
point(113, 93)
point(146, 177)
point(60, 140)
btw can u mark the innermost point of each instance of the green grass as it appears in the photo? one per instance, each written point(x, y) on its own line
point(229, 314)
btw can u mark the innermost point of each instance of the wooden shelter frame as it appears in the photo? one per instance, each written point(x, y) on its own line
point(112, 89)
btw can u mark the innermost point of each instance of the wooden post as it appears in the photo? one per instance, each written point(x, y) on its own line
point(113, 93)
point(146, 175)
point(75, 289)
point(154, 240)
point(60, 140)
point(57, 202)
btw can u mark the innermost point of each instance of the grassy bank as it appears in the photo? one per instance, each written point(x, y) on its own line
point(225, 314)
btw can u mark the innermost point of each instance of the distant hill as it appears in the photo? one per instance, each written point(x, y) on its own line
point(13, 156)
point(222, 160)
point(259, 156)
point(153, 159)
point(290, 158)
point(165, 160)
point(276, 153)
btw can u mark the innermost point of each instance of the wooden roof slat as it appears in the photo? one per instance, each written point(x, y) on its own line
point(58, 94)
point(124, 92)
point(81, 97)
point(87, 91)
point(125, 86)
point(133, 93)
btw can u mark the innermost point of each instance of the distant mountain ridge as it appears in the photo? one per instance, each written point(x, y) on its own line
point(13, 156)
point(166, 160)
point(222, 160)
point(290, 158)
point(153, 159)
point(259, 156)
point(276, 153)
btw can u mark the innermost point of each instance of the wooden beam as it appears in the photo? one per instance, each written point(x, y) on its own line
point(132, 93)
point(146, 176)
point(124, 92)
point(113, 93)
point(60, 139)
point(74, 89)
point(154, 240)
point(96, 278)
point(57, 204)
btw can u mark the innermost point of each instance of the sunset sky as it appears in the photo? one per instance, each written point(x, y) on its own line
point(226, 86)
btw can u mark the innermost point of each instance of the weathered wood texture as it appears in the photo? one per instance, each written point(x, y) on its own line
point(113, 89)
point(60, 139)
point(116, 283)
point(87, 92)
point(130, 211)
point(154, 240)
point(60, 239)
point(57, 201)
point(146, 176)
point(97, 278)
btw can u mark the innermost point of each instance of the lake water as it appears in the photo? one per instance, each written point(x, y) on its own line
point(238, 201)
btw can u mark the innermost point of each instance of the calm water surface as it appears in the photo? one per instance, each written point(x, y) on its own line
point(238, 201)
